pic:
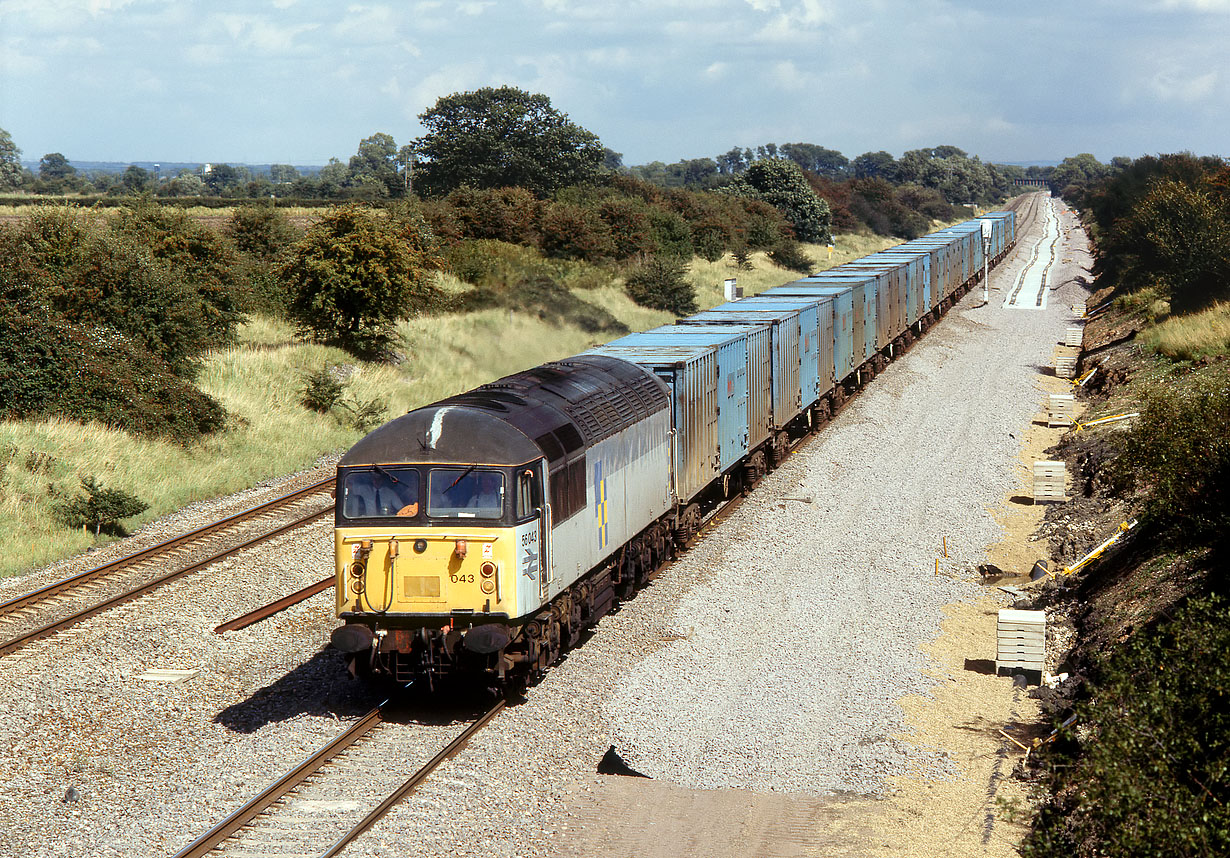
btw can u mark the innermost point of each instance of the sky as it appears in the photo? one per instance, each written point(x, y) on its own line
point(300, 81)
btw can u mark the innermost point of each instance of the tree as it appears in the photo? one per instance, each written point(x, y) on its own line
point(1177, 238)
point(875, 165)
point(731, 162)
point(1074, 176)
point(1145, 774)
point(782, 184)
point(504, 137)
point(282, 174)
point(100, 508)
point(11, 173)
point(809, 156)
point(375, 165)
point(54, 167)
point(661, 283)
point(356, 272)
point(135, 180)
point(221, 178)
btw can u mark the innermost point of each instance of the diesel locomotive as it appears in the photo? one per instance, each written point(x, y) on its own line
point(482, 534)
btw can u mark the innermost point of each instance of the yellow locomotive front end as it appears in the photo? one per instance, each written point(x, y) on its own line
point(452, 553)
point(428, 561)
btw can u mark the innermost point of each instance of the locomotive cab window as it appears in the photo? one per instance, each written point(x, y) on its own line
point(528, 494)
point(381, 492)
point(471, 492)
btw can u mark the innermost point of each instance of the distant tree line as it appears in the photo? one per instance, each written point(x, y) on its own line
point(873, 192)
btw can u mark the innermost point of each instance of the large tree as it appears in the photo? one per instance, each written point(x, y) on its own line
point(504, 137)
point(781, 184)
point(356, 272)
point(374, 168)
point(54, 166)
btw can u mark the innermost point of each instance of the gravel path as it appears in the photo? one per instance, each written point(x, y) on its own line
point(771, 657)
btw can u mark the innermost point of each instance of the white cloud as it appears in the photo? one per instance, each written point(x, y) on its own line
point(368, 24)
point(1215, 6)
point(460, 77)
point(259, 33)
point(717, 71)
point(1173, 84)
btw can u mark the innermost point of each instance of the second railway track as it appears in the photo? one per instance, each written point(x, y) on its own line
point(340, 791)
point(59, 605)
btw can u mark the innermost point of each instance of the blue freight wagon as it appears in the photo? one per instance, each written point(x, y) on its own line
point(691, 373)
point(816, 325)
point(756, 343)
point(875, 290)
point(787, 386)
point(892, 300)
point(946, 254)
point(837, 325)
point(916, 276)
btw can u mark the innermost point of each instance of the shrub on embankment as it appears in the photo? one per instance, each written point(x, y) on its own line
point(1145, 770)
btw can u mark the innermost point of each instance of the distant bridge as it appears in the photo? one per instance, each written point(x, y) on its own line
point(1029, 183)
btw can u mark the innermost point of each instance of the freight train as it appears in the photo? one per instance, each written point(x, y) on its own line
point(484, 533)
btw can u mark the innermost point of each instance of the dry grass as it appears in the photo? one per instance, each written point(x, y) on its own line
point(1198, 335)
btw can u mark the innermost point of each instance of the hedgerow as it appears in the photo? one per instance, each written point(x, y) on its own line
point(1147, 771)
point(52, 367)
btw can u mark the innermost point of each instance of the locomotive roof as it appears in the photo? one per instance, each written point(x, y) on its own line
point(554, 410)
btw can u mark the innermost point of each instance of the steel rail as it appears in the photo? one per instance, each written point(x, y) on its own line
point(413, 782)
point(266, 611)
point(58, 587)
point(245, 814)
point(60, 625)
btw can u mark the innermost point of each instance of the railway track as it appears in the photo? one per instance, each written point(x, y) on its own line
point(65, 603)
point(338, 792)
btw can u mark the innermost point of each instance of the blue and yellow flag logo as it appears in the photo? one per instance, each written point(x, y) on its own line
point(600, 505)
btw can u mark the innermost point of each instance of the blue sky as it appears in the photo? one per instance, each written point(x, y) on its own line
point(299, 81)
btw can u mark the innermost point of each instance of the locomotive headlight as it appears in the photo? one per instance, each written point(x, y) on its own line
point(488, 586)
point(357, 585)
point(487, 570)
point(358, 568)
point(420, 545)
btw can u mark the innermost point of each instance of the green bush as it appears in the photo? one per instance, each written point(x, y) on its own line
point(155, 278)
point(196, 256)
point(356, 273)
point(261, 231)
point(660, 283)
point(100, 508)
point(321, 390)
point(630, 226)
point(670, 233)
point(1177, 237)
point(363, 415)
point(573, 232)
point(52, 367)
point(781, 184)
point(503, 214)
point(789, 254)
point(1178, 453)
point(1151, 774)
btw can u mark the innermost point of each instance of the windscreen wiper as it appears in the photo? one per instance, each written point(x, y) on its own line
point(464, 474)
point(386, 473)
